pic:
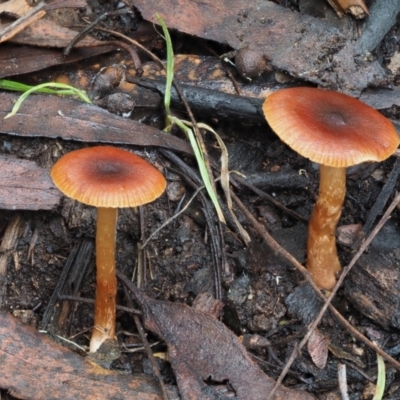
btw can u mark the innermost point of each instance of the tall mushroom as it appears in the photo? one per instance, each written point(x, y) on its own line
point(336, 131)
point(107, 178)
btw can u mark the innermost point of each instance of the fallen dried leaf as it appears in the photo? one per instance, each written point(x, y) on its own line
point(29, 15)
point(317, 347)
point(201, 347)
point(16, 60)
point(265, 27)
point(47, 33)
point(35, 368)
point(347, 234)
point(15, 7)
point(299, 44)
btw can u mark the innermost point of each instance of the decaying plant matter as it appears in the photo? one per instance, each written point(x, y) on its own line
point(356, 8)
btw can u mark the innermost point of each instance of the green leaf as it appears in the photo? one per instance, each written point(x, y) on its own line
point(202, 168)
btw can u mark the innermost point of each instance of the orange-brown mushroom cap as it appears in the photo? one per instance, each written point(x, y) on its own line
point(330, 128)
point(106, 176)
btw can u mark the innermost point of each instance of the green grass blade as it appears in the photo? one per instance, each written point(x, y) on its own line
point(21, 87)
point(381, 381)
point(225, 180)
point(65, 89)
point(169, 67)
point(202, 168)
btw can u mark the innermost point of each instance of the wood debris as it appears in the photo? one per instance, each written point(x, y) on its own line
point(356, 8)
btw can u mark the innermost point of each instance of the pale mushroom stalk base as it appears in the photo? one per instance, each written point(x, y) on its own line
point(105, 303)
point(322, 259)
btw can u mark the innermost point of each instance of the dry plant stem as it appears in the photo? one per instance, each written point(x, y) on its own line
point(91, 301)
point(84, 32)
point(261, 193)
point(197, 132)
point(342, 380)
point(106, 289)
point(88, 28)
point(132, 41)
point(169, 220)
point(359, 370)
point(322, 259)
point(20, 24)
point(149, 352)
point(146, 345)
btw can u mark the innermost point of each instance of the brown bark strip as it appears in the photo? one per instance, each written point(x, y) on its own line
point(26, 186)
point(58, 117)
point(15, 60)
point(34, 367)
point(8, 244)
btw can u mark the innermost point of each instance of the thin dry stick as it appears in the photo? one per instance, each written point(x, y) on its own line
point(265, 195)
point(285, 254)
point(152, 359)
point(342, 380)
point(21, 23)
point(169, 220)
point(147, 346)
point(91, 301)
point(87, 29)
point(131, 41)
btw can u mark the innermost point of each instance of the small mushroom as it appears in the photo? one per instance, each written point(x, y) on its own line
point(107, 178)
point(336, 131)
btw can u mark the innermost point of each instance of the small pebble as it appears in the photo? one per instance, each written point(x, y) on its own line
point(251, 63)
point(175, 191)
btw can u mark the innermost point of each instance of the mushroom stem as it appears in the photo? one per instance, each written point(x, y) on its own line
point(322, 258)
point(105, 303)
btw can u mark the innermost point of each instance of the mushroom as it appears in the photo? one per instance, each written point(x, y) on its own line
point(107, 178)
point(336, 131)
